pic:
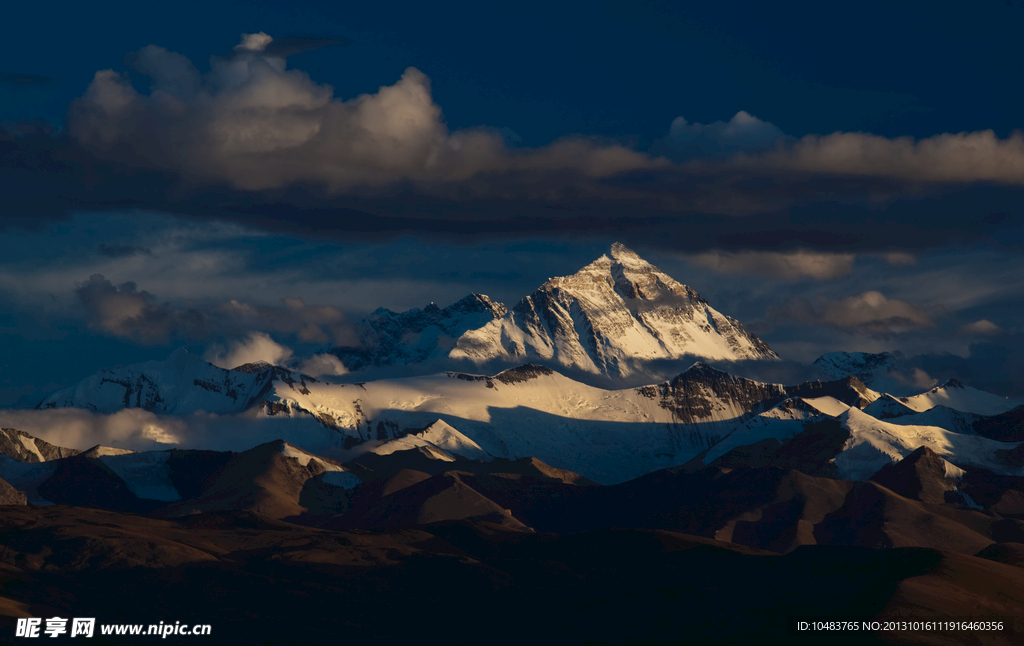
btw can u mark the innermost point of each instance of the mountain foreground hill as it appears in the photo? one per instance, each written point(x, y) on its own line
point(775, 499)
point(255, 580)
point(408, 532)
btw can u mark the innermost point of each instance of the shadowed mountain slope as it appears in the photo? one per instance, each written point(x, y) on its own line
point(268, 480)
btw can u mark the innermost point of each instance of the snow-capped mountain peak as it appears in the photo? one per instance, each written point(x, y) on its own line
point(440, 440)
point(957, 396)
point(611, 318)
point(182, 383)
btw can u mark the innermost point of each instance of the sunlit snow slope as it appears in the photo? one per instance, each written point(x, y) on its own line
point(533, 411)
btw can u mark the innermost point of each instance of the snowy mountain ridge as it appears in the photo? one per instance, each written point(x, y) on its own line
point(529, 411)
point(182, 383)
point(957, 396)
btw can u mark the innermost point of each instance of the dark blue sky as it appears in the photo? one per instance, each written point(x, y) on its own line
point(528, 137)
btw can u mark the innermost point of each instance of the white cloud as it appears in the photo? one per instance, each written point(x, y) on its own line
point(141, 430)
point(792, 265)
point(744, 132)
point(983, 326)
point(322, 364)
point(254, 42)
point(258, 346)
point(900, 258)
point(873, 310)
point(948, 157)
point(255, 124)
point(918, 379)
point(310, 323)
point(132, 428)
point(870, 312)
point(125, 311)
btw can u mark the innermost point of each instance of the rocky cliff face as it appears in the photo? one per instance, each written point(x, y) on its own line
point(25, 448)
point(703, 394)
point(848, 390)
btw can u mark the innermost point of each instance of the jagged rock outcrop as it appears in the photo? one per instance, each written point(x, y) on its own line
point(11, 496)
point(849, 390)
point(25, 448)
point(703, 393)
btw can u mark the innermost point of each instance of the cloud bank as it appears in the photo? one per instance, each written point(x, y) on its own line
point(744, 132)
point(126, 312)
point(256, 347)
point(949, 157)
point(255, 125)
point(320, 365)
point(983, 327)
point(141, 430)
point(255, 141)
point(792, 265)
point(870, 312)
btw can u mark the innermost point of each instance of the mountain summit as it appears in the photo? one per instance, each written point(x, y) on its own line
point(609, 318)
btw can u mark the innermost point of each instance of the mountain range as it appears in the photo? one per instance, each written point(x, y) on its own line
point(532, 411)
point(261, 481)
point(768, 494)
